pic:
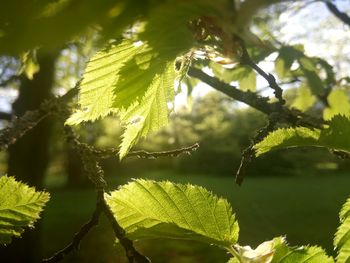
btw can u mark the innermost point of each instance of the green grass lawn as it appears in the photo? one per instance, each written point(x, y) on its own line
point(305, 209)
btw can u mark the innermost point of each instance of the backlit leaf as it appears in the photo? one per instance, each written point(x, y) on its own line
point(20, 206)
point(305, 254)
point(287, 55)
point(342, 237)
point(248, 82)
point(335, 136)
point(338, 103)
point(310, 72)
point(30, 64)
point(149, 209)
point(97, 96)
point(136, 79)
point(304, 99)
point(152, 114)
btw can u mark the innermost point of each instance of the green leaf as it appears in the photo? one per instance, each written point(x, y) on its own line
point(278, 251)
point(31, 24)
point(30, 64)
point(304, 99)
point(281, 67)
point(310, 72)
point(96, 96)
point(305, 254)
point(20, 207)
point(342, 237)
point(167, 30)
point(335, 136)
point(338, 103)
point(248, 82)
point(287, 55)
point(245, 76)
point(149, 209)
point(152, 114)
point(136, 79)
point(128, 79)
point(344, 253)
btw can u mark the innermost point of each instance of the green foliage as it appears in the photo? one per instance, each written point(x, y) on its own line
point(149, 209)
point(278, 251)
point(128, 80)
point(304, 99)
point(136, 79)
point(310, 72)
point(245, 76)
point(30, 64)
point(248, 81)
point(308, 68)
point(20, 207)
point(287, 55)
point(23, 29)
point(150, 115)
point(335, 136)
point(338, 104)
point(342, 237)
point(309, 254)
point(96, 96)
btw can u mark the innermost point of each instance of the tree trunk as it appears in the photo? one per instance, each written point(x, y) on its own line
point(28, 157)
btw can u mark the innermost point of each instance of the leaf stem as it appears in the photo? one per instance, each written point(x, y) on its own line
point(234, 253)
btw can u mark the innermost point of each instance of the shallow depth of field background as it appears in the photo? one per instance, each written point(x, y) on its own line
point(297, 192)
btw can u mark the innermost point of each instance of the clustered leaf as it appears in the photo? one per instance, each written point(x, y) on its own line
point(304, 99)
point(245, 76)
point(338, 103)
point(308, 69)
point(287, 55)
point(96, 97)
point(305, 254)
point(149, 209)
point(335, 136)
point(342, 237)
point(150, 115)
point(20, 206)
point(278, 251)
point(135, 79)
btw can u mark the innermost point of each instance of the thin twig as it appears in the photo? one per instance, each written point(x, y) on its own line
point(249, 153)
point(288, 116)
point(9, 80)
point(96, 175)
point(106, 153)
point(20, 126)
point(131, 253)
point(98, 153)
point(345, 18)
point(277, 112)
point(246, 60)
point(74, 245)
point(292, 81)
point(247, 97)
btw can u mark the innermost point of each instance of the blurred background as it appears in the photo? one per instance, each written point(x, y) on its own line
point(294, 192)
